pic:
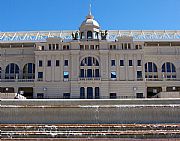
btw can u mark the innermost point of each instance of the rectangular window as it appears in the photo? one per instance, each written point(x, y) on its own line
point(66, 95)
point(82, 93)
point(114, 46)
point(122, 46)
point(40, 95)
point(40, 75)
point(57, 46)
point(139, 62)
point(82, 73)
point(113, 63)
point(67, 47)
point(89, 72)
point(0, 77)
point(96, 72)
point(42, 47)
point(112, 95)
point(40, 63)
point(81, 47)
point(125, 46)
point(97, 96)
point(139, 95)
point(136, 47)
point(53, 46)
point(121, 62)
point(111, 47)
point(129, 46)
point(97, 47)
point(57, 63)
point(66, 74)
point(66, 62)
point(130, 63)
point(49, 46)
point(86, 47)
point(113, 74)
point(92, 47)
point(49, 63)
point(64, 47)
point(139, 74)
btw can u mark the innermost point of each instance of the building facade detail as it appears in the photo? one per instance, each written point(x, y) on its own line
point(90, 63)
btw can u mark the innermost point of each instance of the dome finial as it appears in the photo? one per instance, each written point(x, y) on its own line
point(89, 16)
point(89, 9)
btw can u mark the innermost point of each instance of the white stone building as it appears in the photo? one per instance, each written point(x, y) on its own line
point(90, 63)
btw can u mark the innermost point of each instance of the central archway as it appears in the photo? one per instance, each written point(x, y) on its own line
point(89, 68)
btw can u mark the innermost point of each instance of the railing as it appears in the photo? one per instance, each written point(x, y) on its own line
point(16, 80)
point(162, 79)
point(40, 79)
point(11, 96)
point(99, 97)
point(139, 79)
point(89, 78)
point(173, 94)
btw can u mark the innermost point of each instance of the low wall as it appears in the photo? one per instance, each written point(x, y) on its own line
point(90, 111)
point(7, 95)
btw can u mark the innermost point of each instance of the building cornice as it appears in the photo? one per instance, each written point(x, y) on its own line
point(138, 35)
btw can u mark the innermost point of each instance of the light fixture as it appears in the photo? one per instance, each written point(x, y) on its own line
point(134, 88)
point(174, 88)
point(44, 89)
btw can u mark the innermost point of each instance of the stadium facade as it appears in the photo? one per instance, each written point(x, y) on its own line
point(90, 63)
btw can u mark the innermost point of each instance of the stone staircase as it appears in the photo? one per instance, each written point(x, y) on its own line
point(133, 131)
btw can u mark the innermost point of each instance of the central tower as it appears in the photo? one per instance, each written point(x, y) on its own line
point(89, 29)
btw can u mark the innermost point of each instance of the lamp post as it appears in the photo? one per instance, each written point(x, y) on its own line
point(6, 92)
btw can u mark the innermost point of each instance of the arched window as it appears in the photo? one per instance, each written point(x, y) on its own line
point(89, 61)
point(89, 67)
point(151, 70)
point(12, 71)
point(168, 70)
point(89, 35)
point(29, 71)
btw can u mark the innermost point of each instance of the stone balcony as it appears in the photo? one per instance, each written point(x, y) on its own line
point(89, 79)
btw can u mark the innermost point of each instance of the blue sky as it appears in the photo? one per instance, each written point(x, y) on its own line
point(28, 15)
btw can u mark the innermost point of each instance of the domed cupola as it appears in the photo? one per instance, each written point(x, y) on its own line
point(89, 28)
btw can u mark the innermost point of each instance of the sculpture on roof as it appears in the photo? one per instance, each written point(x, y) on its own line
point(75, 35)
point(104, 35)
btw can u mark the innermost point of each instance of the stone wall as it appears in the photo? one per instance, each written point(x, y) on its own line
point(90, 111)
